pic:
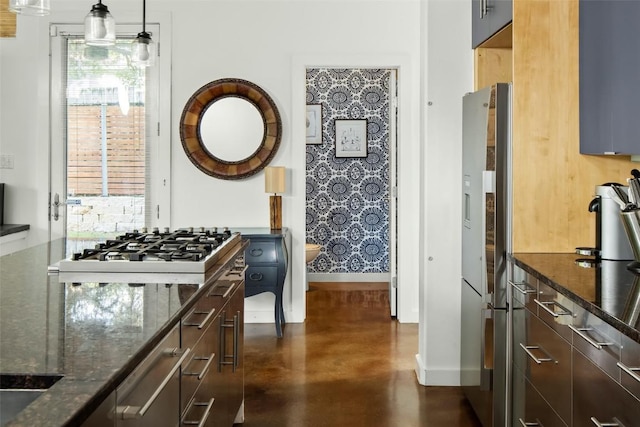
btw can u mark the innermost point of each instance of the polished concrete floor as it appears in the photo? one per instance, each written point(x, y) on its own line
point(349, 364)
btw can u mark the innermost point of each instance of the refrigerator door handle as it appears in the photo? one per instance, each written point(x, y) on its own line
point(486, 352)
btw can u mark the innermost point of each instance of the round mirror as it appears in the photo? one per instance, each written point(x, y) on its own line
point(230, 129)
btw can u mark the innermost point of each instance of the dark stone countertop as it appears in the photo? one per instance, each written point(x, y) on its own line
point(86, 337)
point(610, 291)
point(7, 229)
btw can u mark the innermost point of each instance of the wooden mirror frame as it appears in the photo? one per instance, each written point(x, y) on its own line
point(191, 119)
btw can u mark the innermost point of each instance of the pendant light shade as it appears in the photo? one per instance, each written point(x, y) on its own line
point(143, 49)
point(30, 7)
point(99, 26)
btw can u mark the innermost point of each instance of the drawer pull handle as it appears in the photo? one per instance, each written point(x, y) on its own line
point(207, 411)
point(526, 424)
point(256, 276)
point(217, 291)
point(205, 369)
point(544, 305)
point(581, 333)
point(528, 348)
point(630, 371)
point(235, 324)
point(256, 252)
point(615, 423)
point(528, 289)
point(204, 322)
point(127, 412)
point(238, 271)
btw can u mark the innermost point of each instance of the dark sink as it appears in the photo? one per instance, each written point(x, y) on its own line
point(18, 391)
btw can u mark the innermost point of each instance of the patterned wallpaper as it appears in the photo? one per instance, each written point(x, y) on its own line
point(347, 198)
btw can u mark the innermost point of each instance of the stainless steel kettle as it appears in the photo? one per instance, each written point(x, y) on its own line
point(611, 239)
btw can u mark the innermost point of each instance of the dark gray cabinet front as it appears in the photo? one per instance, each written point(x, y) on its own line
point(598, 399)
point(609, 59)
point(268, 259)
point(488, 17)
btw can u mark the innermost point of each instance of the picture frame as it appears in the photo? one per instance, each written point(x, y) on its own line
point(351, 138)
point(314, 124)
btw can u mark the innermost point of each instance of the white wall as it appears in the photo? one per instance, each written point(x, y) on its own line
point(447, 76)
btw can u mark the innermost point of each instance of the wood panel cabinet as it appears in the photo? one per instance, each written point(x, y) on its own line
point(546, 137)
point(609, 78)
point(488, 17)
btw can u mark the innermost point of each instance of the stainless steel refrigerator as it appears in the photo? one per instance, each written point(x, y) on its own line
point(486, 240)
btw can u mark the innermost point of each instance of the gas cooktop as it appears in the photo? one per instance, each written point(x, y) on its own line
point(183, 251)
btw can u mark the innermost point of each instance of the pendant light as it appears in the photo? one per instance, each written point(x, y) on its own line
point(99, 26)
point(143, 49)
point(30, 7)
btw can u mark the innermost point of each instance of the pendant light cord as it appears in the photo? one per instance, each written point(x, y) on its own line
point(144, 15)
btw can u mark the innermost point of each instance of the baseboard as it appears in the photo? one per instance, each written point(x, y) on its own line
point(348, 277)
point(421, 372)
point(436, 377)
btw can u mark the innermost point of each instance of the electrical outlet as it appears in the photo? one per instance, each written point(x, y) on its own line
point(6, 161)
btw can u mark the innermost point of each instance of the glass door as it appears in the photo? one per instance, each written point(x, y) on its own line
point(103, 117)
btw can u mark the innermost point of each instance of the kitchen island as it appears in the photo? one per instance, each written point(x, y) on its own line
point(81, 340)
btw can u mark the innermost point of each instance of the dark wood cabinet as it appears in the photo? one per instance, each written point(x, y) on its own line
point(609, 78)
point(488, 17)
point(267, 259)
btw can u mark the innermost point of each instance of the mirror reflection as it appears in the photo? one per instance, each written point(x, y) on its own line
point(232, 129)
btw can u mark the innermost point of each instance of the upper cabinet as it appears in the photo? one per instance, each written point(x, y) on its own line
point(609, 77)
point(488, 17)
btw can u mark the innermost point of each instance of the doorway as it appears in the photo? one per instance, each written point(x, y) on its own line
point(351, 193)
point(104, 118)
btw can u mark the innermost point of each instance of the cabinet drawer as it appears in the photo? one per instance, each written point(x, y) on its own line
point(261, 276)
point(598, 397)
point(524, 289)
point(195, 323)
point(597, 340)
point(630, 366)
point(555, 310)
point(545, 358)
point(529, 407)
point(261, 252)
point(149, 396)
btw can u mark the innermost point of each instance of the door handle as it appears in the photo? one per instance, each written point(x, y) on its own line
point(486, 349)
point(56, 207)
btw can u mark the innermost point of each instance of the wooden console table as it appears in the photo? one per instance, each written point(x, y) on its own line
point(268, 261)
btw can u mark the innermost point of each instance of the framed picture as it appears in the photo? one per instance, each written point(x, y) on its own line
point(351, 138)
point(314, 124)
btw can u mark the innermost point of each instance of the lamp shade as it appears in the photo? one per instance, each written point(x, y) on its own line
point(99, 26)
point(274, 179)
point(30, 7)
point(143, 50)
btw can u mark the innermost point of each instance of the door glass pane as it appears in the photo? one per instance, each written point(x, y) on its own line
point(105, 147)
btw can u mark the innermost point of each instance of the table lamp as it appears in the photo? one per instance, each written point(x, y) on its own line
point(274, 183)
